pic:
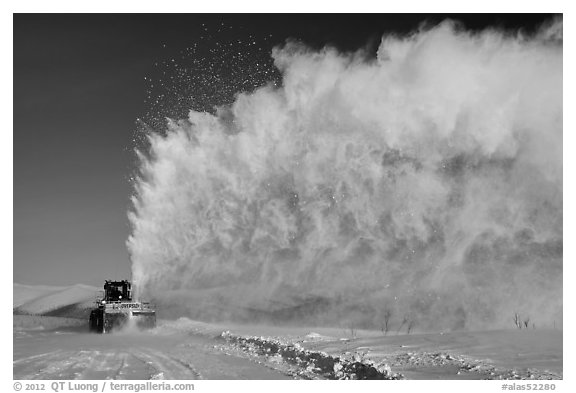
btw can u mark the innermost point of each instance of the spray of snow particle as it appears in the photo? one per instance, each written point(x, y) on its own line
point(426, 184)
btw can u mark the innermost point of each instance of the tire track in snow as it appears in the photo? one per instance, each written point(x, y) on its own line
point(55, 365)
point(32, 358)
point(103, 365)
point(33, 367)
point(133, 364)
point(130, 357)
point(167, 367)
point(78, 365)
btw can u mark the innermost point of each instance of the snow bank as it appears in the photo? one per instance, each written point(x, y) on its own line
point(311, 364)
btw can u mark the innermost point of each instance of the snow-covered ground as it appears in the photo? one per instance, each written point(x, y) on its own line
point(52, 347)
point(499, 354)
point(48, 344)
point(72, 353)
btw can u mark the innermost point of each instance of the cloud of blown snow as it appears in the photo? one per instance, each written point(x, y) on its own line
point(427, 182)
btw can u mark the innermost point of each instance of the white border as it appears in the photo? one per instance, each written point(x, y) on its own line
point(167, 6)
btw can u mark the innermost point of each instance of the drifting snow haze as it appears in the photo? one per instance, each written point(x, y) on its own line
point(427, 182)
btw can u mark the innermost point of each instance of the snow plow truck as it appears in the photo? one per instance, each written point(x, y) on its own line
point(117, 309)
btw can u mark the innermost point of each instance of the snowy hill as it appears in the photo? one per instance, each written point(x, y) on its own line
point(25, 293)
point(54, 301)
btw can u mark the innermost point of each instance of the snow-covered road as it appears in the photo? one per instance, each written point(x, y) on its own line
point(185, 349)
point(137, 355)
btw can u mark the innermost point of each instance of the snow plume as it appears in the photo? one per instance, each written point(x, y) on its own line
point(425, 183)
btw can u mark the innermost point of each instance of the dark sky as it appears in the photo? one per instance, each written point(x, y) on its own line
point(79, 86)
